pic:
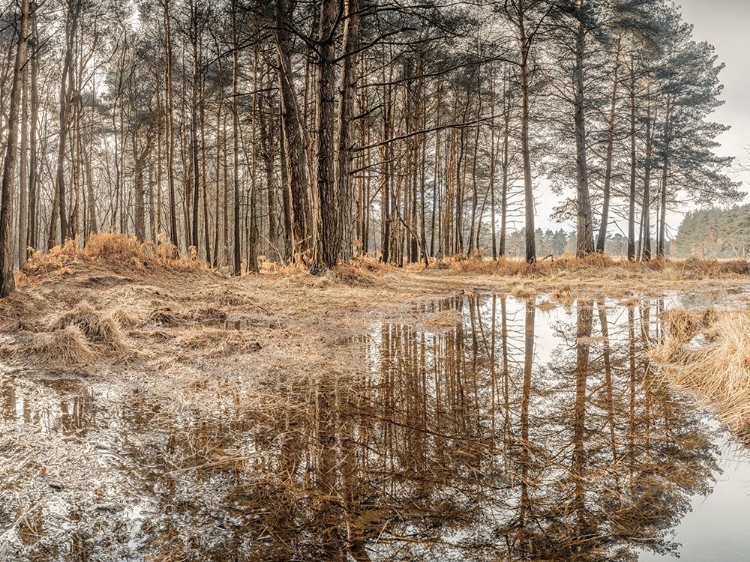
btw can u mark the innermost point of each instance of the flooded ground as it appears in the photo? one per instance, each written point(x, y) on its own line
point(480, 427)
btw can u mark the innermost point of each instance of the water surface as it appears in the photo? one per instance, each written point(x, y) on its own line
point(478, 428)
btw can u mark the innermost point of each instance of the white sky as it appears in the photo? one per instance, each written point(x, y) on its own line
point(726, 25)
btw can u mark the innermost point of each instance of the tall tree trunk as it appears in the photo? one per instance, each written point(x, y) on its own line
point(66, 83)
point(237, 261)
point(661, 243)
point(217, 164)
point(7, 283)
point(32, 225)
point(585, 231)
point(346, 103)
point(610, 150)
point(633, 162)
point(528, 188)
point(330, 229)
point(170, 127)
point(140, 159)
point(646, 209)
point(493, 166)
point(23, 198)
point(194, 108)
point(436, 171)
point(204, 168)
point(293, 134)
point(91, 216)
point(507, 111)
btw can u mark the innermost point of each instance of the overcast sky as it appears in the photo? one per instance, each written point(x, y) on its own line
point(726, 25)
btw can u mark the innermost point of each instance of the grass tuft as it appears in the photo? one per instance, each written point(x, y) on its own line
point(68, 346)
point(117, 251)
point(98, 328)
point(709, 352)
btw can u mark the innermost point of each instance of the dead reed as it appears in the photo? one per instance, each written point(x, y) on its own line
point(690, 268)
point(116, 251)
point(709, 352)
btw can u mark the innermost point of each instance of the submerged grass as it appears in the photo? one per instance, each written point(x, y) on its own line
point(709, 352)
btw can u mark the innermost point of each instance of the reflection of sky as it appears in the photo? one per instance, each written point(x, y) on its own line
point(717, 528)
point(111, 424)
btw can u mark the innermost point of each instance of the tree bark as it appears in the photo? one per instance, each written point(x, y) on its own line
point(601, 240)
point(585, 232)
point(66, 84)
point(237, 261)
point(633, 161)
point(330, 228)
point(293, 135)
point(346, 103)
point(7, 282)
point(32, 224)
point(528, 188)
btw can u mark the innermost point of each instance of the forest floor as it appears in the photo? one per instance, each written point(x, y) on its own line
point(122, 308)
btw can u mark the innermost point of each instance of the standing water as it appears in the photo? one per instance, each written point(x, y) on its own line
point(485, 428)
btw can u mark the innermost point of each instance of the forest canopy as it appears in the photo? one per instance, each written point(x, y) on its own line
point(318, 131)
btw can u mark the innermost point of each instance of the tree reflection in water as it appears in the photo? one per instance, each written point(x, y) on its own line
point(515, 434)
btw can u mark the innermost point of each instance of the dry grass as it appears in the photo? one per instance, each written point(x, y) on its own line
point(100, 329)
point(690, 268)
point(119, 300)
point(65, 347)
point(709, 352)
point(213, 342)
point(116, 251)
point(77, 337)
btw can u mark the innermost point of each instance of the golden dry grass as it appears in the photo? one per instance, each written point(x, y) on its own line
point(116, 251)
point(689, 268)
point(709, 352)
point(66, 347)
point(98, 328)
point(130, 309)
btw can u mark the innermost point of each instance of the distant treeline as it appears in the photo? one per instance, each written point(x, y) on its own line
point(714, 233)
point(555, 243)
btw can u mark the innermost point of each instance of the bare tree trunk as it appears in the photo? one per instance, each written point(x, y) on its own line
point(66, 84)
point(251, 212)
point(194, 108)
point(91, 217)
point(237, 262)
point(217, 182)
point(610, 150)
point(204, 171)
point(293, 135)
point(661, 242)
point(139, 160)
point(330, 229)
point(646, 210)
point(493, 162)
point(23, 198)
point(346, 103)
point(170, 127)
point(436, 172)
point(7, 282)
point(506, 166)
point(585, 234)
point(631, 212)
point(32, 225)
point(528, 187)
